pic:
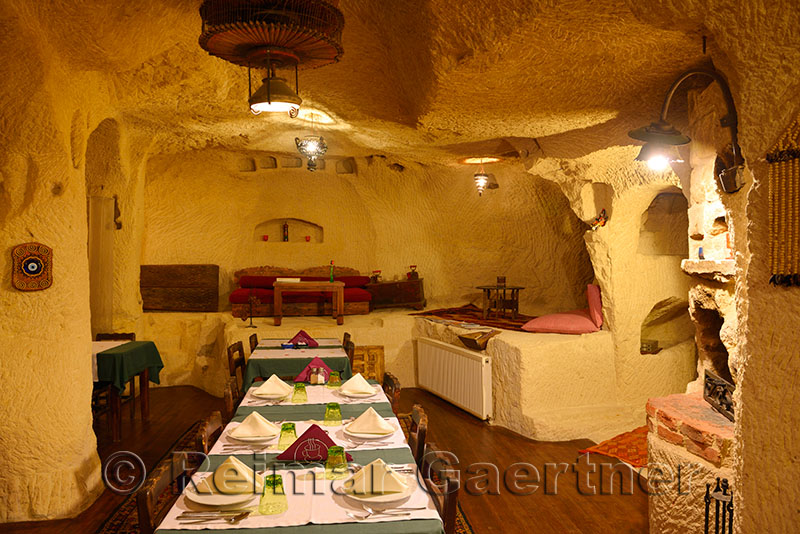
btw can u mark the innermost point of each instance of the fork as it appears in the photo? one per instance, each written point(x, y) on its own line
point(192, 520)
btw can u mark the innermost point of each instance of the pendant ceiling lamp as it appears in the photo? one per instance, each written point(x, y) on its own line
point(273, 35)
point(661, 139)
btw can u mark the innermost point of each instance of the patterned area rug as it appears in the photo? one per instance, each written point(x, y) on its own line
point(630, 447)
point(125, 519)
point(473, 314)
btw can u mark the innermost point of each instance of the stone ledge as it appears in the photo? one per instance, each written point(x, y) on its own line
point(717, 270)
point(689, 421)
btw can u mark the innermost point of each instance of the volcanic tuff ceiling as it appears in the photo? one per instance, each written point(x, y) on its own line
point(430, 80)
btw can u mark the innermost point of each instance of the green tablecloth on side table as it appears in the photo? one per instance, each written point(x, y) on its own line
point(266, 367)
point(119, 364)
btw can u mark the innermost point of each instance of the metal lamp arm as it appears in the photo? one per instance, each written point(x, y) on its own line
point(730, 121)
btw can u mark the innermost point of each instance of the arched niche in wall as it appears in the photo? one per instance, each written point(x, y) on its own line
point(665, 226)
point(668, 324)
point(299, 231)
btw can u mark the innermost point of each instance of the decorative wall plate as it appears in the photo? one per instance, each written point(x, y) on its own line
point(32, 268)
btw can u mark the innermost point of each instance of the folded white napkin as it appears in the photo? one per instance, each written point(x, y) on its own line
point(273, 386)
point(375, 477)
point(232, 477)
point(255, 426)
point(370, 422)
point(357, 385)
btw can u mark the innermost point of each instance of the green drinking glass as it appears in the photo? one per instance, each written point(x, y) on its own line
point(334, 380)
point(336, 464)
point(333, 414)
point(299, 395)
point(288, 436)
point(273, 500)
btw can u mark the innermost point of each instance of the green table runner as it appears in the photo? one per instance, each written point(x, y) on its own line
point(119, 364)
point(303, 412)
point(266, 367)
point(266, 460)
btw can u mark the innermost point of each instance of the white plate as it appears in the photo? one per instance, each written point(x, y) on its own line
point(357, 395)
point(216, 499)
point(367, 436)
point(377, 498)
point(271, 396)
point(254, 439)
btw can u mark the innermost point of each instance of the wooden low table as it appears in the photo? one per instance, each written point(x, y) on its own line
point(336, 288)
point(501, 299)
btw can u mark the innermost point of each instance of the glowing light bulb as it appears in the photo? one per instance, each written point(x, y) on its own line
point(481, 179)
point(658, 162)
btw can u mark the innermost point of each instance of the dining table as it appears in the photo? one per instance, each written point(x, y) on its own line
point(117, 362)
point(270, 357)
point(313, 507)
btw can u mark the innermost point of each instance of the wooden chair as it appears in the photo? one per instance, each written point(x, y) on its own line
point(253, 342)
point(236, 361)
point(415, 427)
point(228, 395)
point(209, 432)
point(345, 339)
point(392, 387)
point(149, 501)
point(442, 485)
point(101, 391)
point(350, 349)
point(369, 361)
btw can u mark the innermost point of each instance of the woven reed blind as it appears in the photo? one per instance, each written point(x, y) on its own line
point(784, 208)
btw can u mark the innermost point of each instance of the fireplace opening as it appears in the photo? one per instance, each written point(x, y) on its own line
point(667, 325)
point(710, 349)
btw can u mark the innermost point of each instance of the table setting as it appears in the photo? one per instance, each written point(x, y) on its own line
point(296, 456)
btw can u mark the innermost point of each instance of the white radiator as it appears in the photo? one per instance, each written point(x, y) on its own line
point(458, 375)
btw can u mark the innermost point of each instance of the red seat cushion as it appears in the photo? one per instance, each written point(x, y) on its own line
point(241, 296)
point(571, 322)
point(353, 281)
point(356, 294)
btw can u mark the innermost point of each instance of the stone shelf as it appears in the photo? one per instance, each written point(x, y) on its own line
point(717, 270)
point(690, 422)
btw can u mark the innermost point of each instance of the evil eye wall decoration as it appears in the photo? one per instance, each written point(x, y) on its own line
point(32, 267)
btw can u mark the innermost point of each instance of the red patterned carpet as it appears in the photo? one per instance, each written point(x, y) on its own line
point(630, 447)
point(473, 314)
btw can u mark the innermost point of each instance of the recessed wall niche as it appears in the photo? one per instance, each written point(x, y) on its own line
point(665, 225)
point(668, 323)
point(299, 230)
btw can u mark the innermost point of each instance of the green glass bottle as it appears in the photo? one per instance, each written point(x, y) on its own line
point(331, 270)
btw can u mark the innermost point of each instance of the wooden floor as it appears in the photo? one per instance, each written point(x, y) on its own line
point(565, 510)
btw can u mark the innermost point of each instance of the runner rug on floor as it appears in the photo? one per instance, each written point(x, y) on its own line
point(473, 314)
point(630, 447)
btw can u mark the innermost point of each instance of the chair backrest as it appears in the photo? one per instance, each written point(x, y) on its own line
point(253, 342)
point(392, 387)
point(418, 433)
point(350, 349)
point(369, 361)
point(152, 509)
point(442, 486)
point(236, 361)
point(345, 338)
point(209, 431)
point(228, 398)
point(115, 336)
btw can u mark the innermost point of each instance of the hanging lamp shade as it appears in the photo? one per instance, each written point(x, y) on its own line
point(659, 133)
point(273, 33)
point(275, 95)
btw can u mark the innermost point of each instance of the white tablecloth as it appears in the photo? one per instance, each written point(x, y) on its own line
point(298, 353)
point(100, 346)
point(325, 507)
point(277, 342)
point(316, 395)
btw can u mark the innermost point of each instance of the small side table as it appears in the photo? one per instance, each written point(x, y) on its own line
point(501, 299)
point(335, 288)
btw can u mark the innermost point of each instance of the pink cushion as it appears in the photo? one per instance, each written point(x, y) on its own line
point(242, 296)
point(595, 304)
point(571, 322)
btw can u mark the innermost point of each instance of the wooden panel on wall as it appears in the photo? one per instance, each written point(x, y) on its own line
point(180, 287)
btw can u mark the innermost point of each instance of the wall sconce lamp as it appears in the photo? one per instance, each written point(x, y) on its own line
point(661, 139)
